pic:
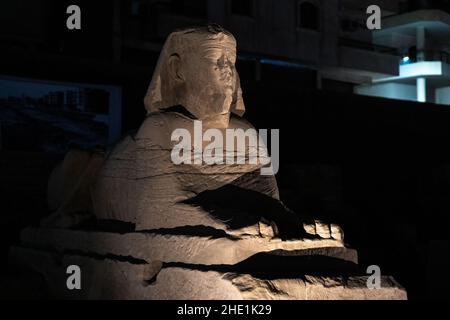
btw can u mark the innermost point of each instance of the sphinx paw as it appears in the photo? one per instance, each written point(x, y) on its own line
point(323, 230)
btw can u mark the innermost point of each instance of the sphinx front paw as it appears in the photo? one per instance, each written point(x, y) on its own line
point(323, 230)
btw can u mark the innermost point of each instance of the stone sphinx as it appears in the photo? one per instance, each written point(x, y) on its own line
point(193, 231)
point(195, 79)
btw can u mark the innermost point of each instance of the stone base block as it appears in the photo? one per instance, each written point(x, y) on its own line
point(125, 278)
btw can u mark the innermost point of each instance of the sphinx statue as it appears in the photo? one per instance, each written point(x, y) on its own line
point(193, 230)
point(195, 79)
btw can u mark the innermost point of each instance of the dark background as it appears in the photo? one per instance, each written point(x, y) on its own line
point(380, 168)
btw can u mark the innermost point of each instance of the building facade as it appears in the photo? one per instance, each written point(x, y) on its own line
point(422, 38)
point(328, 37)
point(312, 44)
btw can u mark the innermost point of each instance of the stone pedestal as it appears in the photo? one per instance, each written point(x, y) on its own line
point(152, 265)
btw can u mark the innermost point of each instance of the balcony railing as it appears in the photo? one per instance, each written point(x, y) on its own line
point(428, 55)
point(367, 46)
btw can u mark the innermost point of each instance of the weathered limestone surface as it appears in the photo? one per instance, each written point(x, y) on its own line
point(191, 230)
point(178, 248)
point(113, 279)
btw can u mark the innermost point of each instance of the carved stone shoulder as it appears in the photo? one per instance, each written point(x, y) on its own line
point(157, 128)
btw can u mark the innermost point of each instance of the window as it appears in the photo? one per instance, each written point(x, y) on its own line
point(242, 7)
point(307, 16)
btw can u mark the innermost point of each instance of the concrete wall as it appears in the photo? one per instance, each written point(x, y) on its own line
point(387, 6)
point(443, 95)
point(394, 40)
point(388, 90)
point(272, 29)
point(368, 60)
point(425, 68)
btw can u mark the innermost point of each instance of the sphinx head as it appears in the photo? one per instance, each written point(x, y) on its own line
point(196, 70)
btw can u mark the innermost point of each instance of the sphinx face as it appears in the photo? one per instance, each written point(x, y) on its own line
point(210, 81)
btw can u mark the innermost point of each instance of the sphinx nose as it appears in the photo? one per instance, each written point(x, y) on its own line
point(229, 68)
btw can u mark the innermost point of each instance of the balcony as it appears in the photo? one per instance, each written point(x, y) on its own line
point(345, 42)
point(375, 60)
point(426, 55)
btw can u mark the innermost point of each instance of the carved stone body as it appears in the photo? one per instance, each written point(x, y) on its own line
point(195, 79)
point(139, 183)
point(192, 231)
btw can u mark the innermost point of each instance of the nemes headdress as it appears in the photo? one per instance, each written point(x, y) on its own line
point(162, 92)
